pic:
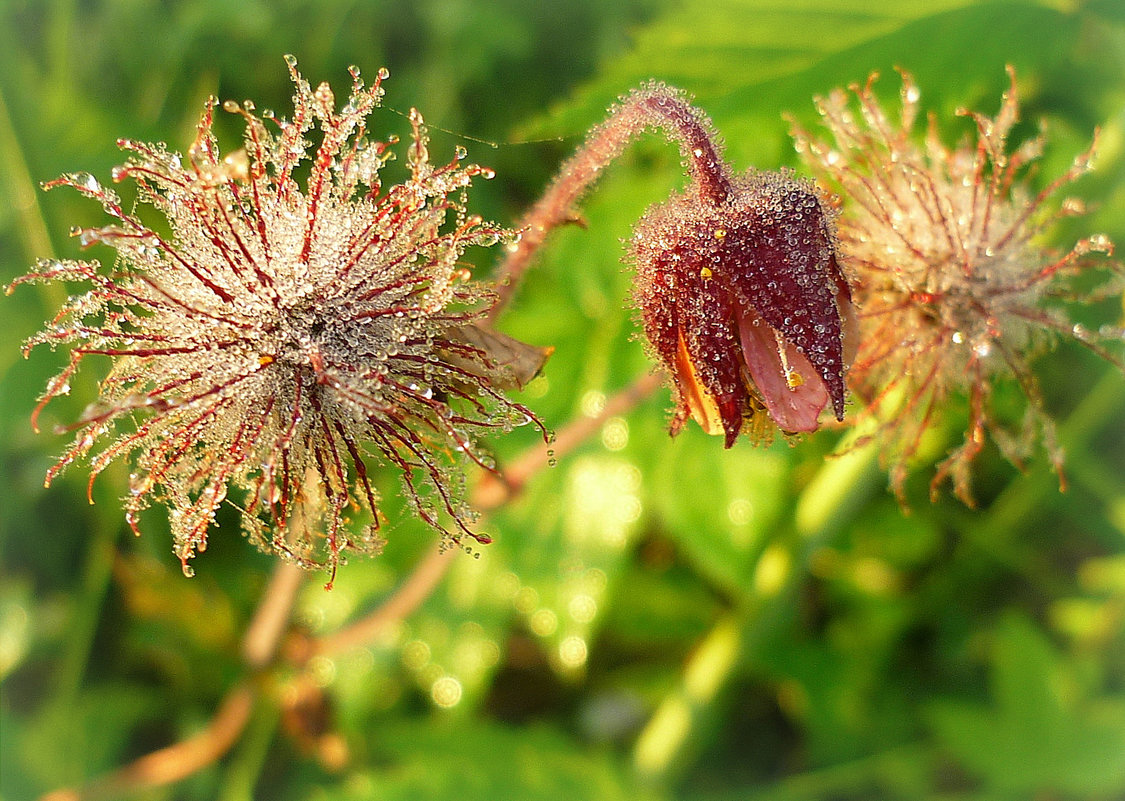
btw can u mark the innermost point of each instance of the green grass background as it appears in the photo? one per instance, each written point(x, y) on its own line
point(766, 624)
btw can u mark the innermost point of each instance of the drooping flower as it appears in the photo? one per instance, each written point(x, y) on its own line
point(743, 301)
point(274, 336)
point(737, 285)
point(954, 288)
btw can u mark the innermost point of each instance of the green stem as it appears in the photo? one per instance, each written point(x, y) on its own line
point(22, 193)
point(96, 575)
point(245, 766)
point(831, 500)
point(687, 713)
point(894, 772)
point(88, 604)
point(1100, 406)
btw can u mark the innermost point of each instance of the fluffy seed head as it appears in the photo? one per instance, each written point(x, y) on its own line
point(272, 334)
point(953, 285)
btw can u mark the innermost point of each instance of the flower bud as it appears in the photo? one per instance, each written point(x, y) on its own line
point(744, 302)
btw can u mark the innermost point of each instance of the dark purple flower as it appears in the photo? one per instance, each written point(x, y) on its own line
point(743, 301)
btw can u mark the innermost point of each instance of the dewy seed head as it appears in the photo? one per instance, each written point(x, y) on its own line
point(954, 289)
point(283, 330)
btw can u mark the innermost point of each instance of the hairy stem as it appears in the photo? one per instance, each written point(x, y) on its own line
point(652, 106)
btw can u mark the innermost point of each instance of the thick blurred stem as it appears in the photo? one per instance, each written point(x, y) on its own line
point(175, 762)
point(825, 506)
point(271, 619)
point(653, 106)
point(491, 493)
point(410, 595)
point(496, 490)
point(178, 761)
point(686, 714)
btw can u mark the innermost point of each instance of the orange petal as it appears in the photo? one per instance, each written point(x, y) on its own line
point(699, 402)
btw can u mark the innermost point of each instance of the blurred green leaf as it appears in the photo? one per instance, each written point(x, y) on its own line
point(70, 744)
point(1044, 731)
point(486, 762)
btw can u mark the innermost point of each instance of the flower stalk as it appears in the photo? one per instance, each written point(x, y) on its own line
point(739, 292)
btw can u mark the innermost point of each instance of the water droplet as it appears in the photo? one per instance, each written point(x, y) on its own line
point(140, 483)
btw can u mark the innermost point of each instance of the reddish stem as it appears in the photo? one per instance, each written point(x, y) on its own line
point(654, 105)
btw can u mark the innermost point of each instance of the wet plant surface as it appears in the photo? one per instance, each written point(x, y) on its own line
point(655, 617)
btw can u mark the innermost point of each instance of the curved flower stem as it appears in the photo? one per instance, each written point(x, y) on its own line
point(492, 492)
point(270, 622)
point(411, 594)
point(496, 490)
point(177, 761)
point(259, 643)
point(244, 767)
point(652, 106)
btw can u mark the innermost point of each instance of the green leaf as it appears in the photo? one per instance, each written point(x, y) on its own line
point(749, 62)
point(486, 762)
point(67, 745)
point(1043, 732)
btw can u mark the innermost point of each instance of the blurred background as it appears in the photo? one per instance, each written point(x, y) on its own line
point(657, 619)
